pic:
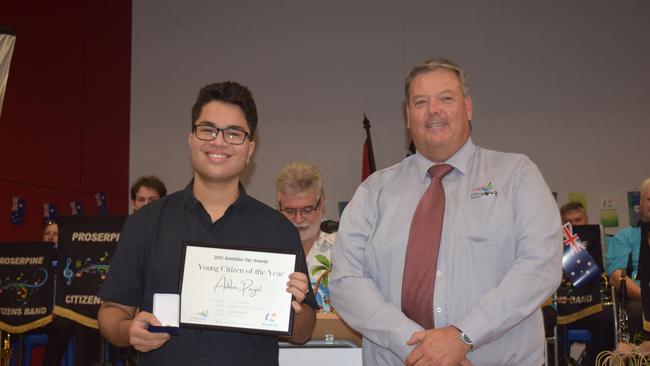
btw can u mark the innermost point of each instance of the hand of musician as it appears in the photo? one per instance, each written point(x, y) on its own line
point(439, 346)
point(298, 285)
point(140, 338)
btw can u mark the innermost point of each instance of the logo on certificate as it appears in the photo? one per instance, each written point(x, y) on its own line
point(201, 316)
point(270, 319)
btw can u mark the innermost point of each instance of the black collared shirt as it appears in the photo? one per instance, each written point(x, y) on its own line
point(148, 261)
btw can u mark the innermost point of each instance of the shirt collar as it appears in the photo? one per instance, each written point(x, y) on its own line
point(460, 160)
point(188, 192)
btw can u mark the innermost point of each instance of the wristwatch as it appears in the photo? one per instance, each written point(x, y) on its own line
point(464, 337)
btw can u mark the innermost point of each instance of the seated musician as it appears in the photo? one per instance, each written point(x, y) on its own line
point(301, 198)
point(61, 329)
point(575, 213)
point(623, 248)
point(601, 323)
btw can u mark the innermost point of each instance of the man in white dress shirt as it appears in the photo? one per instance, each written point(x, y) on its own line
point(500, 248)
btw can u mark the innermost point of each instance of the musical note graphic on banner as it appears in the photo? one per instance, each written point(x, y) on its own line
point(87, 268)
point(67, 272)
point(23, 285)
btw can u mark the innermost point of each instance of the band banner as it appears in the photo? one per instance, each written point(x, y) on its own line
point(86, 246)
point(26, 286)
point(574, 303)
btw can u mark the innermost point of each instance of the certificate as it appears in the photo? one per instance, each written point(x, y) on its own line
point(234, 288)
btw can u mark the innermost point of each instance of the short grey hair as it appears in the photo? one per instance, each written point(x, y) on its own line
point(433, 65)
point(572, 206)
point(298, 177)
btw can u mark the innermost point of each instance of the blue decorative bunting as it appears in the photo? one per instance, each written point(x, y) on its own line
point(17, 216)
point(49, 211)
point(102, 202)
point(76, 208)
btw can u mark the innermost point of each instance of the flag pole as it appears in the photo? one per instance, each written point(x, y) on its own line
point(368, 164)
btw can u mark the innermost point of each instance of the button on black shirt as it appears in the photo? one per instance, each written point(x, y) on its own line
point(148, 261)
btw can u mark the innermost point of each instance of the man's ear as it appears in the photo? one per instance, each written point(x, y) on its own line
point(251, 150)
point(407, 114)
point(323, 199)
point(469, 107)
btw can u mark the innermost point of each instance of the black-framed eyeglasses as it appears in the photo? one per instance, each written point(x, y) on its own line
point(303, 211)
point(232, 136)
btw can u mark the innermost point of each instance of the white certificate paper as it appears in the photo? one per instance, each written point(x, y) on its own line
point(238, 289)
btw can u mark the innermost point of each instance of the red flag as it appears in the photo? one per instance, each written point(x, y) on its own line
point(411, 149)
point(368, 163)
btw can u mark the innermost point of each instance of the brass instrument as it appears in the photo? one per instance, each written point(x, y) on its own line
point(606, 290)
point(623, 329)
point(5, 349)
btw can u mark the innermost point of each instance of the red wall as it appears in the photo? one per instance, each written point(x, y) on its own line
point(64, 128)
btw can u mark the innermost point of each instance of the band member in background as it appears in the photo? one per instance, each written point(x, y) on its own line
point(61, 330)
point(301, 198)
point(575, 213)
point(146, 190)
point(623, 251)
point(51, 232)
point(601, 323)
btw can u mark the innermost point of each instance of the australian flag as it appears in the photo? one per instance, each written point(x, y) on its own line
point(76, 208)
point(17, 210)
point(49, 211)
point(102, 202)
point(577, 263)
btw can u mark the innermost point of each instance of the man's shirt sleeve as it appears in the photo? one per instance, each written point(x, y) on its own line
point(354, 293)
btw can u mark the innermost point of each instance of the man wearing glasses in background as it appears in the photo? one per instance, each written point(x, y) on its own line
point(213, 208)
point(301, 198)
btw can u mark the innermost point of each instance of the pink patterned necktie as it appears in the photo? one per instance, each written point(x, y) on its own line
point(422, 251)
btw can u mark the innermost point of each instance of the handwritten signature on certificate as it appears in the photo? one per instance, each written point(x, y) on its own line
point(246, 286)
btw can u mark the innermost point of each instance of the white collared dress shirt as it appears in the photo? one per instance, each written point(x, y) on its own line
point(500, 257)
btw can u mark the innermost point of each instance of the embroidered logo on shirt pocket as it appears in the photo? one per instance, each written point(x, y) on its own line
point(488, 189)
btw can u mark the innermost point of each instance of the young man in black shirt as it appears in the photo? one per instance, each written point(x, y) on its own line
point(213, 208)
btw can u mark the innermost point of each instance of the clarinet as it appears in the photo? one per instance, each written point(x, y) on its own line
point(623, 328)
